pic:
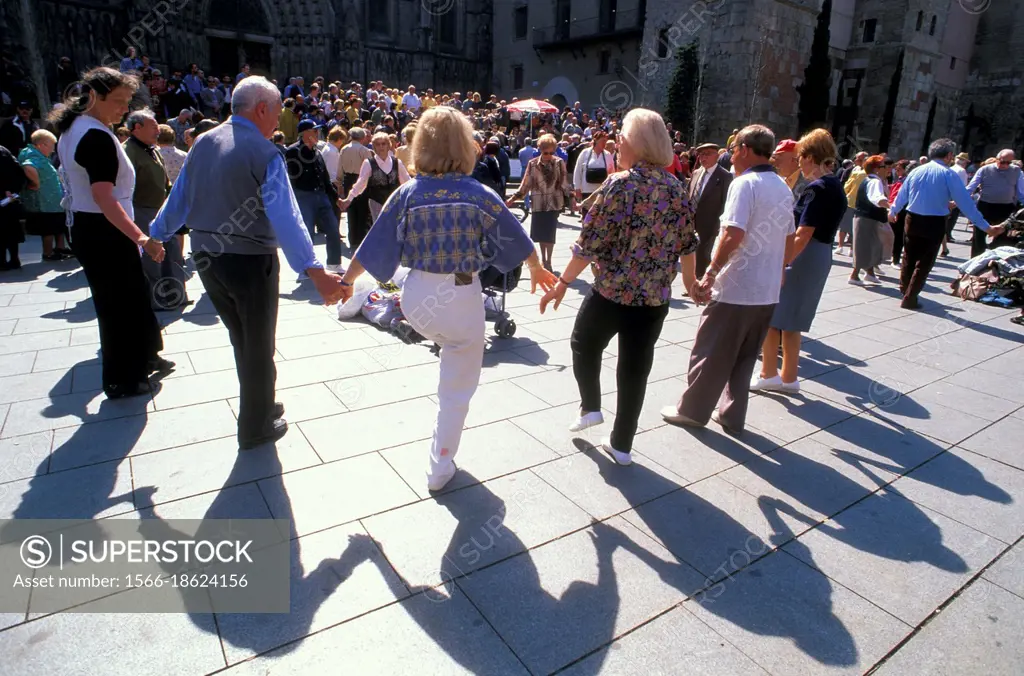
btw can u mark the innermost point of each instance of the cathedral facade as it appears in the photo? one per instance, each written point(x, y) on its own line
point(444, 44)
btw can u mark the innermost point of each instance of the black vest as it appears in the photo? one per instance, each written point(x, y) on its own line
point(865, 209)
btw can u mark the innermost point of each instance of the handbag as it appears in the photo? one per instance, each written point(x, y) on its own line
point(599, 174)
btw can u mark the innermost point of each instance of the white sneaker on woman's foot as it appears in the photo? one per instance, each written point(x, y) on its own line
point(759, 384)
point(871, 279)
point(789, 388)
point(440, 479)
point(618, 456)
point(587, 420)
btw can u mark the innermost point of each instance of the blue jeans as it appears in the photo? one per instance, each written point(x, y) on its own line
point(317, 209)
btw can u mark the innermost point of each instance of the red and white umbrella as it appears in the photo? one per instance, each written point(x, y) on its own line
point(532, 106)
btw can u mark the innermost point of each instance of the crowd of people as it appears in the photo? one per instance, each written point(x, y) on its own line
point(422, 181)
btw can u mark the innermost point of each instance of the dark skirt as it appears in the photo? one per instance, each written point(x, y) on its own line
point(801, 291)
point(45, 224)
point(544, 226)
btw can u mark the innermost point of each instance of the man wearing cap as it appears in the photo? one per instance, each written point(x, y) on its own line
point(708, 188)
point(314, 191)
point(786, 163)
point(16, 132)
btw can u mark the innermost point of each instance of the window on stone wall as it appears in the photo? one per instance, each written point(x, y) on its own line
point(517, 78)
point(952, 63)
point(869, 30)
point(663, 43)
point(520, 18)
point(920, 20)
point(447, 28)
point(378, 17)
point(604, 62)
point(931, 28)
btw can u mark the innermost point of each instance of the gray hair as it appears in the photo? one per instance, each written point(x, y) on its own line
point(941, 149)
point(357, 133)
point(759, 138)
point(1006, 151)
point(139, 117)
point(252, 91)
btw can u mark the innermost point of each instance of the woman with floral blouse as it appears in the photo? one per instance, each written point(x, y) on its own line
point(637, 236)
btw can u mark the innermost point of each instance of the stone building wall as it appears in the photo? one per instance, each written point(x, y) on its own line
point(298, 37)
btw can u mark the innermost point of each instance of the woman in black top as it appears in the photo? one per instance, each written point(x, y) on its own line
point(817, 214)
point(99, 182)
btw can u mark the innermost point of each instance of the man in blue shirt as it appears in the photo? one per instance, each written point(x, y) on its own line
point(235, 231)
point(130, 62)
point(528, 152)
point(927, 194)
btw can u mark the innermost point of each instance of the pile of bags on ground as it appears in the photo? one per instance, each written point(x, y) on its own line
point(381, 305)
point(996, 277)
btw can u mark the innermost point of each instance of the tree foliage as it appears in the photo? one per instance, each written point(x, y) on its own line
point(682, 90)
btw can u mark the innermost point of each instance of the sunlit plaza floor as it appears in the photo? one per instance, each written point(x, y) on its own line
point(825, 539)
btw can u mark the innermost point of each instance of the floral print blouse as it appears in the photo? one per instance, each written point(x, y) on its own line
point(639, 225)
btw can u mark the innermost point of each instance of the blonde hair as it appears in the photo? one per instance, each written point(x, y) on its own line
point(547, 141)
point(166, 135)
point(409, 134)
point(647, 135)
point(337, 133)
point(443, 143)
point(818, 145)
point(41, 135)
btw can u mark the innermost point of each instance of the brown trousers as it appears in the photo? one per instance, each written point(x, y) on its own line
point(921, 243)
point(722, 361)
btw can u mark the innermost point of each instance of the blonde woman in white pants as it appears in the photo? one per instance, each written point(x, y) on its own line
point(446, 227)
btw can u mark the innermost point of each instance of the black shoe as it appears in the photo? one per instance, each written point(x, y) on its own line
point(161, 366)
point(278, 410)
point(1019, 320)
point(55, 256)
point(945, 254)
point(910, 304)
point(276, 431)
point(65, 252)
point(14, 264)
point(125, 391)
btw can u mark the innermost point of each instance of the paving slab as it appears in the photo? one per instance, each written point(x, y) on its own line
point(902, 557)
point(1003, 441)
point(436, 540)
point(698, 453)
point(70, 410)
point(972, 489)
point(25, 456)
point(940, 648)
point(1008, 571)
point(564, 599)
point(350, 434)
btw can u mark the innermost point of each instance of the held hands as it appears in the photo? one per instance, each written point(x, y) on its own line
point(892, 218)
point(555, 294)
point(995, 230)
point(329, 286)
point(154, 249)
point(541, 277)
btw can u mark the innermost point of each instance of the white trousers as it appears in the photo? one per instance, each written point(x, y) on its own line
point(453, 317)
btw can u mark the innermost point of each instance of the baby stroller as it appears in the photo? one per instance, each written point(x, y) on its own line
point(492, 281)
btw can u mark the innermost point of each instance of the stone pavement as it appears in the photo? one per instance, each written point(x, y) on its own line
point(826, 540)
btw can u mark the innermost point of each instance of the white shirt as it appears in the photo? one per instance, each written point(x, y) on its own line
point(77, 189)
point(411, 102)
point(761, 204)
point(704, 181)
point(876, 193)
point(961, 172)
point(598, 161)
point(331, 157)
point(366, 170)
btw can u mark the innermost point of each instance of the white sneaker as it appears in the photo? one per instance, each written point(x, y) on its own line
point(444, 474)
point(789, 388)
point(871, 279)
point(841, 251)
point(619, 457)
point(896, 265)
point(587, 420)
point(335, 268)
point(856, 281)
point(759, 384)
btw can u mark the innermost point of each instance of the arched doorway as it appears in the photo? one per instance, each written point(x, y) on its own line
point(558, 101)
point(238, 32)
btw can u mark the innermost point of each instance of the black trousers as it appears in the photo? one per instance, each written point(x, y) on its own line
point(897, 236)
point(954, 216)
point(994, 214)
point(638, 328)
point(358, 213)
point(244, 289)
point(921, 244)
point(129, 332)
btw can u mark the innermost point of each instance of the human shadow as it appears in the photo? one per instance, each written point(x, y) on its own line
point(549, 631)
point(71, 280)
point(796, 603)
point(239, 500)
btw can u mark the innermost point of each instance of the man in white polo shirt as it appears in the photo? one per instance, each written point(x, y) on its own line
point(744, 280)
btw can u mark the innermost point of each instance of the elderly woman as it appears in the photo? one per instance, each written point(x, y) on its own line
point(446, 227)
point(546, 180)
point(44, 215)
point(100, 181)
point(871, 231)
point(380, 175)
point(593, 166)
point(817, 213)
point(637, 232)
